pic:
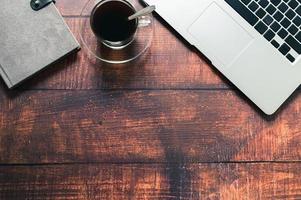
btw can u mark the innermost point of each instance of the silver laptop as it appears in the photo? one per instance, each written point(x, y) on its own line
point(256, 44)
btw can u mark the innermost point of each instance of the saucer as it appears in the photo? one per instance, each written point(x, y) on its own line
point(139, 45)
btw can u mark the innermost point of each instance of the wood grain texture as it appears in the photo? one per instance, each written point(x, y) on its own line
point(169, 64)
point(164, 127)
point(154, 181)
point(70, 7)
point(143, 126)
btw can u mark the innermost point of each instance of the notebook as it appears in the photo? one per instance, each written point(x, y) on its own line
point(31, 40)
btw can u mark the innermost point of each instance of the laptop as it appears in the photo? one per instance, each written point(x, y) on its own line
point(256, 44)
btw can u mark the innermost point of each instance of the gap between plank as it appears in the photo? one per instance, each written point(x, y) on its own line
point(150, 163)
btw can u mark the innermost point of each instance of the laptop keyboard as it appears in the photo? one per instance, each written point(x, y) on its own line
point(279, 22)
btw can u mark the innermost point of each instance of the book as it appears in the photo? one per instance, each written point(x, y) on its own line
point(31, 40)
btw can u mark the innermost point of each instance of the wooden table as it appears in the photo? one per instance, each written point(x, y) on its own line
point(168, 127)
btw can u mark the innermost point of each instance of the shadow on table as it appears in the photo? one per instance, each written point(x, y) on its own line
point(227, 81)
point(39, 79)
point(115, 76)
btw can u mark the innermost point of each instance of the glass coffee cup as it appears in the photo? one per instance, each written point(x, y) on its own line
point(109, 22)
point(118, 47)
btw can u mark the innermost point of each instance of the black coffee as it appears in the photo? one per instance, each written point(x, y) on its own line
point(109, 21)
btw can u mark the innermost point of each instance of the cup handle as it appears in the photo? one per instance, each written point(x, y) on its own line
point(144, 21)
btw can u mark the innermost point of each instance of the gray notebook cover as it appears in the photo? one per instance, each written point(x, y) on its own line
point(31, 40)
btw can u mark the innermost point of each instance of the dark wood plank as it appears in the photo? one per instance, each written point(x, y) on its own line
point(153, 181)
point(143, 126)
point(169, 64)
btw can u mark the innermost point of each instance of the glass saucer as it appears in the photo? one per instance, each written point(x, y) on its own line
point(98, 50)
